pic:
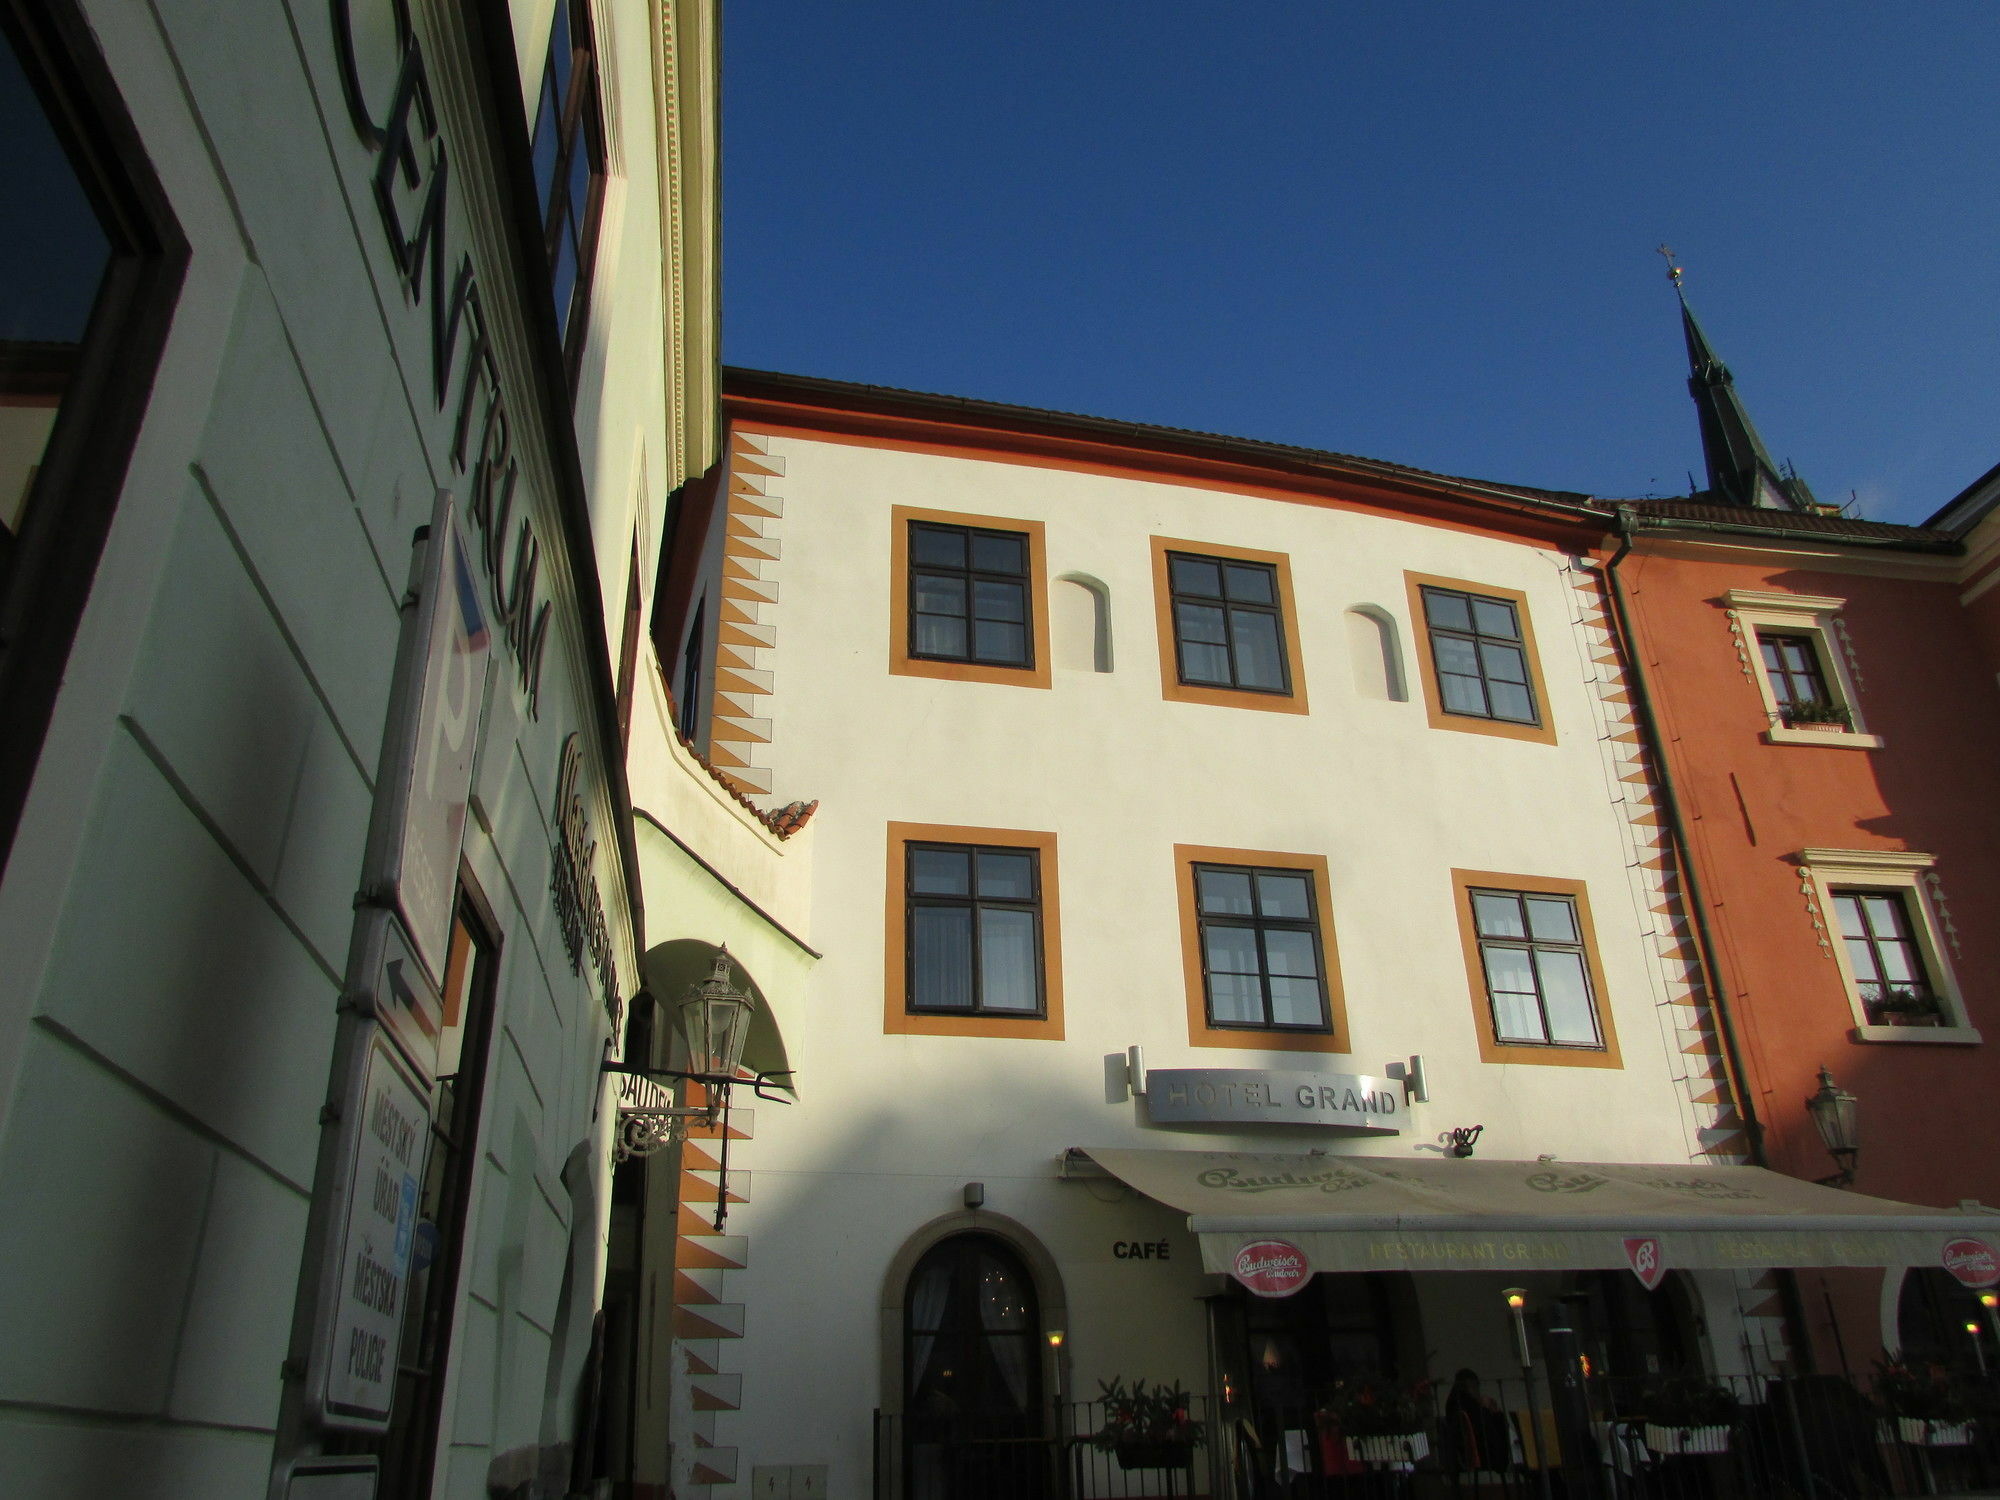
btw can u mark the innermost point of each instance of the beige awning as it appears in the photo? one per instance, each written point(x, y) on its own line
point(1365, 1213)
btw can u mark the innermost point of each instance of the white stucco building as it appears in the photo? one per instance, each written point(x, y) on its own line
point(1242, 757)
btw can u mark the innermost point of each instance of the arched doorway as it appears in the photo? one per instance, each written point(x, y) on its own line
point(973, 1412)
point(1935, 1312)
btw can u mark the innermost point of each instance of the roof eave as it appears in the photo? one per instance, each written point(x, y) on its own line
point(1554, 505)
point(1668, 526)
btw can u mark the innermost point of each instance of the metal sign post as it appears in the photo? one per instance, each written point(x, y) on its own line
point(376, 1127)
point(426, 773)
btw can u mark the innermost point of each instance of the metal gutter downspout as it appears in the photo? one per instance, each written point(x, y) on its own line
point(1697, 906)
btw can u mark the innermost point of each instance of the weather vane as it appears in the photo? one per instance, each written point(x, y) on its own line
point(1673, 270)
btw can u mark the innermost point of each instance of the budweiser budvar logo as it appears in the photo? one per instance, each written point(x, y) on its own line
point(1272, 1268)
point(1973, 1262)
point(1648, 1264)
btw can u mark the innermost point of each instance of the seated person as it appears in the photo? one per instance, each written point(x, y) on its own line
point(1476, 1432)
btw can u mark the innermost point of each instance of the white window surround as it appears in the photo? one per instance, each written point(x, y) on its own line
point(1815, 615)
point(1834, 870)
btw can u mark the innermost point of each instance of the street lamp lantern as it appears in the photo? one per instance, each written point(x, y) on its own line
point(715, 1016)
point(1836, 1114)
point(715, 1019)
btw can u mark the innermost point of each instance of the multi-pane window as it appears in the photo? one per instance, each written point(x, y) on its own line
point(1228, 623)
point(90, 261)
point(1480, 656)
point(974, 929)
point(969, 595)
point(1883, 956)
point(1537, 972)
point(1798, 686)
point(55, 258)
point(1260, 949)
point(568, 152)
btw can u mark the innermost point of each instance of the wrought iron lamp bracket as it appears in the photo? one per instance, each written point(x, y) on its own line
point(758, 1082)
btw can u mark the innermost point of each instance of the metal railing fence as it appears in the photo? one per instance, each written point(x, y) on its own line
point(1816, 1437)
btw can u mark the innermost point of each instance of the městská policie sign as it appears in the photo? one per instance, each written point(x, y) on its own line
point(1345, 1102)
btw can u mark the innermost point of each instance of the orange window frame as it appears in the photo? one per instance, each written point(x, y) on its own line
point(897, 1018)
point(1543, 733)
point(1491, 1048)
point(1171, 686)
point(1200, 1033)
point(902, 664)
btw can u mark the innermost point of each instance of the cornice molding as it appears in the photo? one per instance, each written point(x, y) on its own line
point(1867, 859)
point(1816, 604)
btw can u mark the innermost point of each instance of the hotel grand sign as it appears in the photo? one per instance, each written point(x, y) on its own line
point(1344, 1102)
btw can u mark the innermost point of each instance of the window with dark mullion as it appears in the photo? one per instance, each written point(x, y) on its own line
point(969, 595)
point(1480, 656)
point(1260, 948)
point(1537, 971)
point(1229, 629)
point(1791, 665)
point(1887, 964)
point(567, 149)
point(975, 930)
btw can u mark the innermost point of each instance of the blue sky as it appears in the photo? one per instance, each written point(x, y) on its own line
point(1416, 230)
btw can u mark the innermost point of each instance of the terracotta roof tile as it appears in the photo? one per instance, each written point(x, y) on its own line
point(784, 821)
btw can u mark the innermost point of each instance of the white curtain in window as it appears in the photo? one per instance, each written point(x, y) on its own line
point(927, 1299)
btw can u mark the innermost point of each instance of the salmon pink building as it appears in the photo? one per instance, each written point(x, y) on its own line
point(1822, 695)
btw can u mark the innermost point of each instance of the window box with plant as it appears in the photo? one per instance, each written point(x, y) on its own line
point(1905, 1005)
point(1689, 1415)
point(1147, 1427)
point(1381, 1422)
point(1927, 1406)
point(1817, 713)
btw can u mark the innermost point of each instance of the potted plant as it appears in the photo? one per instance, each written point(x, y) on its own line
point(1687, 1414)
point(1927, 1408)
point(1817, 714)
point(1146, 1427)
point(1907, 1005)
point(1382, 1422)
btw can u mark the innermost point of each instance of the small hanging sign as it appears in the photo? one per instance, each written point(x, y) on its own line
point(1973, 1262)
point(1648, 1263)
point(1271, 1268)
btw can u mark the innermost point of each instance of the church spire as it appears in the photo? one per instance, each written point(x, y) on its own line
point(1740, 470)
